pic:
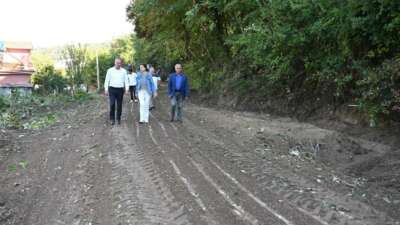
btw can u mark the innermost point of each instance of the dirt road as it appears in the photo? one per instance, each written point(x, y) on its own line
point(217, 167)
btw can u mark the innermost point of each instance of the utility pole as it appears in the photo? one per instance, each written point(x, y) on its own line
point(97, 71)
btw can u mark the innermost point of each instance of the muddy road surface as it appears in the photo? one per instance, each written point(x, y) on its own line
point(214, 168)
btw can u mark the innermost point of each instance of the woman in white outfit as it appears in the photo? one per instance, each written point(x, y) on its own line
point(145, 89)
point(132, 82)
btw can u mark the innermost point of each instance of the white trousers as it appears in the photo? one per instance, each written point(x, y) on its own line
point(144, 102)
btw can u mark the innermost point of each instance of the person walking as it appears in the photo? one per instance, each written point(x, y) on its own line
point(114, 84)
point(178, 91)
point(132, 82)
point(145, 90)
point(156, 81)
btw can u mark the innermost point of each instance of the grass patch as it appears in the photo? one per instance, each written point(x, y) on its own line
point(42, 122)
point(23, 164)
point(35, 111)
point(12, 168)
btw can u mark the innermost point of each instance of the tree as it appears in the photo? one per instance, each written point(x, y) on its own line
point(106, 60)
point(297, 51)
point(49, 80)
point(75, 58)
point(123, 47)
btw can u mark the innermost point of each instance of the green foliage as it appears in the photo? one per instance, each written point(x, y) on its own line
point(120, 47)
point(106, 60)
point(75, 58)
point(379, 90)
point(32, 111)
point(19, 108)
point(23, 164)
point(41, 122)
point(49, 80)
point(10, 120)
point(12, 168)
point(82, 96)
point(4, 103)
point(296, 50)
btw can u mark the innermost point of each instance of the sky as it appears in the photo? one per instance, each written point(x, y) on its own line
point(48, 23)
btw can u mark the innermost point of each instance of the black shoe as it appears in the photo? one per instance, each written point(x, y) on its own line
point(140, 122)
point(172, 120)
point(119, 122)
point(112, 122)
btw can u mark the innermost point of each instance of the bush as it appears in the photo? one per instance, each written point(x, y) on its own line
point(40, 122)
point(49, 80)
point(82, 96)
point(379, 91)
point(26, 111)
point(4, 104)
point(301, 51)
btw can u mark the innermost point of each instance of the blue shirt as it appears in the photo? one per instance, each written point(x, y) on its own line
point(184, 86)
point(178, 82)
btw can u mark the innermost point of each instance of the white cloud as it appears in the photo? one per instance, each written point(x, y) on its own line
point(57, 22)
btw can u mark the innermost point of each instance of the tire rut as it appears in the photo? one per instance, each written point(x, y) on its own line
point(322, 204)
point(138, 192)
point(269, 216)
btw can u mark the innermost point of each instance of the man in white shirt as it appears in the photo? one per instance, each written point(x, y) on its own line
point(114, 84)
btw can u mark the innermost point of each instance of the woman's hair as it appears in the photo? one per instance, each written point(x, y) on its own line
point(145, 66)
point(131, 68)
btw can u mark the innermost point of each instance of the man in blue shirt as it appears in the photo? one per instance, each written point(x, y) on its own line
point(178, 91)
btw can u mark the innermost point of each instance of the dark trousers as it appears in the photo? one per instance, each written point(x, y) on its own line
point(116, 95)
point(132, 90)
point(176, 106)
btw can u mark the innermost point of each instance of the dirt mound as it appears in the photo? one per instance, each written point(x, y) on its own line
point(338, 149)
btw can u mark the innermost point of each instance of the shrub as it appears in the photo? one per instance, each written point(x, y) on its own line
point(49, 80)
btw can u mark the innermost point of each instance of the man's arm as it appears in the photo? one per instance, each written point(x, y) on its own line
point(152, 87)
point(126, 83)
point(107, 82)
point(170, 85)
point(186, 87)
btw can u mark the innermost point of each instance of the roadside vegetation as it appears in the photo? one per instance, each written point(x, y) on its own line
point(303, 54)
point(35, 111)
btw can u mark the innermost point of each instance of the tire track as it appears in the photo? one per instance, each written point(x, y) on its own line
point(237, 209)
point(189, 186)
point(313, 206)
point(333, 208)
point(163, 160)
point(198, 181)
point(138, 192)
point(173, 212)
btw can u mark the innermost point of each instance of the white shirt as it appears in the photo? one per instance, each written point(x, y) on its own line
point(116, 78)
point(155, 81)
point(132, 79)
